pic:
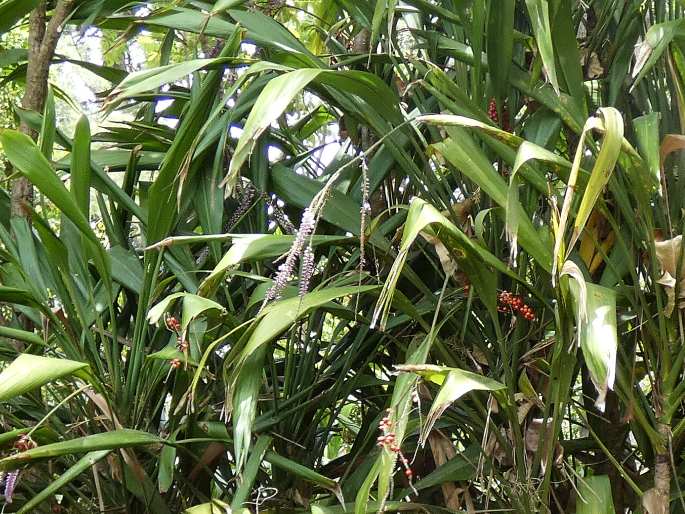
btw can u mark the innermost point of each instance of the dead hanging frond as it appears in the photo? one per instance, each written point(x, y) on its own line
point(669, 255)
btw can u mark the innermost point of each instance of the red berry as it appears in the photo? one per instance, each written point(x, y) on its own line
point(175, 363)
point(173, 324)
point(492, 111)
point(408, 472)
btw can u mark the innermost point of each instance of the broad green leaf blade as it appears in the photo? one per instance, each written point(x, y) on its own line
point(538, 11)
point(273, 320)
point(12, 11)
point(279, 316)
point(28, 372)
point(46, 139)
point(604, 166)
point(462, 467)
point(597, 333)
point(472, 258)
point(24, 155)
point(126, 268)
point(656, 41)
point(124, 438)
point(594, 496)
point(566, 51)
point(454, 382)
point(21, 335)
point(267, 32)
point(187, 20)
point(462, 121)
point(500, 45)
point(270, 105)
point(86, 462)
point(470, 160)
point(244, 403)
point(647, 132)
point(247, 478)
point(373, 507)
point(171, 352)
point(167, 465)
point(223, 5)
point(254, 247)
point(193, 306)
point(303, 472)
point(80, 166)
point(214, 507)
point(150, 79)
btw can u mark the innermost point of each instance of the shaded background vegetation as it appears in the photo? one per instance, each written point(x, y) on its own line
point(341, 255)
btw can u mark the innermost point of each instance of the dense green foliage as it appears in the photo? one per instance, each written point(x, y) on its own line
point(451, 224)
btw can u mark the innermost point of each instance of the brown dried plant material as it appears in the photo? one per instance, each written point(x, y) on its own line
point(668, 253)
point(443, 450)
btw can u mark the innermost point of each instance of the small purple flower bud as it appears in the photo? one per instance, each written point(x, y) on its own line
point(307, 270)
point(10, 485)
point(287, 269)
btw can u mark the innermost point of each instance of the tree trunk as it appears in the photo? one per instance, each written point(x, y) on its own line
point(657, 499)
point(43, 37)
point(662, 472)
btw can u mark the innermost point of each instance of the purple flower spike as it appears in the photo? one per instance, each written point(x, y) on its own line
point(10, 484)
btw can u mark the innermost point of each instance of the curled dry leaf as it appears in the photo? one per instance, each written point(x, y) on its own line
point(462, 211)
point(448, 264)
point(494, 449)
point(442, 449)
point(668, 254)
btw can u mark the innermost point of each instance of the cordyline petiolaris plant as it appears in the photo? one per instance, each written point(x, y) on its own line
point(346, 256)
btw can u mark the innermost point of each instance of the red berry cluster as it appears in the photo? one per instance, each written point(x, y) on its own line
point(492, 111)
point(508, 301)
point(388, 441)
point(492, 114)
point(175, 363)
point(173, 324)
